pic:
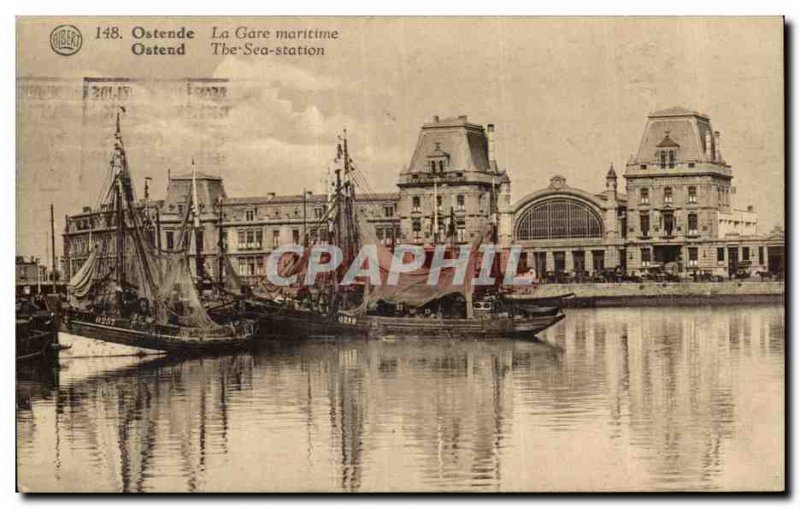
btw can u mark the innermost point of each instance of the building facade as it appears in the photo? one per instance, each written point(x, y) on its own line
point(248, 228)
point(453, 187)
point(563, 229)
point(675, 209)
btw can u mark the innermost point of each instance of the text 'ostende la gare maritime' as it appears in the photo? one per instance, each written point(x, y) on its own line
point(236, 41)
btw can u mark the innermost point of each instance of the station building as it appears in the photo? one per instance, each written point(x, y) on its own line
point(674, 207)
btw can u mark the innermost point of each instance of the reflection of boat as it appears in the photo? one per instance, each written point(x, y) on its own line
point(145, 297)
point(411, 306)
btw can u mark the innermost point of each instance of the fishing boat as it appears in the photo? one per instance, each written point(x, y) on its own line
point(412, 307)
point(36, 330)
point(130, 292)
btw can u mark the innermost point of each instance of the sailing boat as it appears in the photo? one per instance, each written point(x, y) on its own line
point(411, 307)
point(140, 295)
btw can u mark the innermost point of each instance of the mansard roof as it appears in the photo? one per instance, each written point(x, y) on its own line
point(463, 142)
point(677, 127)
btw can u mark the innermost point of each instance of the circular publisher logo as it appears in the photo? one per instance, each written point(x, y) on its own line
point(66, 40)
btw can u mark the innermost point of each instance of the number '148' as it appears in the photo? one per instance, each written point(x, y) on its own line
point(109, 32)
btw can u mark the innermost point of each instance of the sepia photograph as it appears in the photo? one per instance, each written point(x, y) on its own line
point(498, 254)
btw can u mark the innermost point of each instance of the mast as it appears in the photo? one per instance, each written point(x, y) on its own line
point(158, 228)
point(120, 233)
point(435, 212)
point(198, 238)
point(305, 238)
point(124, 196)
point(53, 246)
point(220, 243)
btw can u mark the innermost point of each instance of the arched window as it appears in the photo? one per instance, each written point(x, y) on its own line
point(559, 218)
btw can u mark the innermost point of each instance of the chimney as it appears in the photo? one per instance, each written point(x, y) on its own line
point(717, 151)
point(490, 143)
point(435, 118)
point(270, 195)
point(709, 147)
point(749, 208)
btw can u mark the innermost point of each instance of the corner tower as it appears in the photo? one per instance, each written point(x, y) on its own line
point(453, 184)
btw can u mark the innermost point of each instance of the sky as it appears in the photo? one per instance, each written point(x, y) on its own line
point(568, 96)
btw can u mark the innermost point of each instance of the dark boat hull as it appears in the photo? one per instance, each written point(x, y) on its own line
point(308, 324)
point(36, 337)
point(121, 331)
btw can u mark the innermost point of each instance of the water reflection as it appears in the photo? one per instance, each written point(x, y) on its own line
point(613, 399)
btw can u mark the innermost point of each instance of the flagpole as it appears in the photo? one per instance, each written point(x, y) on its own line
point(435, 212)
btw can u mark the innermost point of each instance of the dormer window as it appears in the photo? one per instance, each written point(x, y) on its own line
point(439, 160)
point(667, 152)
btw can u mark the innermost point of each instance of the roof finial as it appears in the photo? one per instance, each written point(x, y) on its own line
point(611, 172)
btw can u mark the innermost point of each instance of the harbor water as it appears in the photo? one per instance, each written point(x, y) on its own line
point(609, 399)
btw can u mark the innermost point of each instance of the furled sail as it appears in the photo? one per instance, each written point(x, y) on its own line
point(80, 286)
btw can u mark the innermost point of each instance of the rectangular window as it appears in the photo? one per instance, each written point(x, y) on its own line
point(416, 228)
point(720, 254)
point(296, 236)
point(645, 256)
point(644, 223)
point(199, 242)
point(644, 196)
point(559, 261)
point(460, 200)
point(669, 222)
point(379, 234)
point(668, 195)
point(170, 240)
point(388, 211)
point(318, 213)
point(415, 204)
point(250, 215)
point(745, 253)
point(276, 238)
point(692, 198)
point(692, 256)
point(439, 204)
point(672, 158)
point(692, 224)
point(761, 255)
point(461, 232)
